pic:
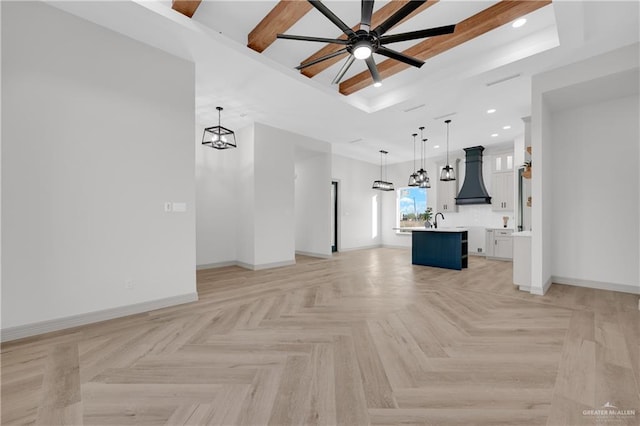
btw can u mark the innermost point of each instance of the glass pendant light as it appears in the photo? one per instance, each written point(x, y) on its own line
point(413, 177)
point(423, 177)
point(447, 173)
point(383, 185)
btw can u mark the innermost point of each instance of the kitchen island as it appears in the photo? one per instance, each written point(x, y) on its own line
point(443, 248)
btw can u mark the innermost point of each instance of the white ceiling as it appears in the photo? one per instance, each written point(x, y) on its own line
point(266, 88)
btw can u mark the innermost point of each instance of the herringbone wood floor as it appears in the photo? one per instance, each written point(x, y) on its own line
point(363, 338)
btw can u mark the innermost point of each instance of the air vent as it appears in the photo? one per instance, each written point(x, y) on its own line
point(413, 108)
point(445, 116)
point(502, 80)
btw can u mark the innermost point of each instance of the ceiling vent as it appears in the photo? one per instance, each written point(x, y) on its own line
point(502, 80)
point(445, 116)
point(414, 108)
point(473, 190)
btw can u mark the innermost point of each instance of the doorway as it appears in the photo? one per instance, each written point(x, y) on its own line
point(334, 217)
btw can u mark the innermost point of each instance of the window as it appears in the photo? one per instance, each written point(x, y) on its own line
point(412, 208)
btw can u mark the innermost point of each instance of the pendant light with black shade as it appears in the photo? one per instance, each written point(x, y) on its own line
point(423, 176)
point(383, 185)
point(413, 177)
point(219, 137)
point(425, 183)
point(447, 173)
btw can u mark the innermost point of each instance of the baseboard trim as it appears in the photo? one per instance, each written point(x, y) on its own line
point(310, 254)
point(624, 288)
point(543, 290)
point(216, 265)
point(360, 248)
point(33, 329)
point(266, 265)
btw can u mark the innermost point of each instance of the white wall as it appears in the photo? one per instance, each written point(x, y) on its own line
point(595, 196)
point(359, 206)
point(579, 84)
point(274, 196)
point(97, 134)
point(218, 178)
point(313, 203)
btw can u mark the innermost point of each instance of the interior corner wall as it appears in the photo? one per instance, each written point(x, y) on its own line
point(274, 196)
point(359, 206)
point(542, 142)
point(97, 135)
point(595, 195)
point(217, 206)
point(313, 204)
point(244, 198)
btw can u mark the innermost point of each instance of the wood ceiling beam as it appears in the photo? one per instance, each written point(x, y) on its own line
point(478, 24)
point(186, 7)
point(377, 18)
point(278, 20)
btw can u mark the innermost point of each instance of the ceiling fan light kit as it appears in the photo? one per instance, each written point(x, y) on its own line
point(363, 43)
point(219, 137)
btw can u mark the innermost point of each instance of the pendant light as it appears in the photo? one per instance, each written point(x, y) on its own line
point(447, 172)
point(425, 183)
point(383, 185)
point(423, 176)
point(219, 137)
point(413, 177)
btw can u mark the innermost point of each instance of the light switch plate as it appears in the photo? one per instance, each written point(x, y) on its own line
point(168, 206)
point(179, 207)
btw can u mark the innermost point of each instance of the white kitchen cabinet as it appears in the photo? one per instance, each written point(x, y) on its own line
point(502, 162)
point(447, 191)
point(502, 191)
point(499, 244)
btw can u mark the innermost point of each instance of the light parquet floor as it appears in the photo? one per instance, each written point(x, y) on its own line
point(362, 338)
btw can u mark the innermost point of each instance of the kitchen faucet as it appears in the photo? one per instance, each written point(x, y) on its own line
point(435, 224)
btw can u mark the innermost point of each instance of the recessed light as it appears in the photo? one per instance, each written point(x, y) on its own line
point(518, 23)
point(494, 135)
point(491, 111)
point(506, 127)
point(436, 146)
point(377, 84)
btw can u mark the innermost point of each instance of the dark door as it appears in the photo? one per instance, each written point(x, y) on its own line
point(334, 216)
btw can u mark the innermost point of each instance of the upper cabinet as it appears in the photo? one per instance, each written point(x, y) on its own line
point(447, 190)
point(502, 185)
point(502, 163)
point(502, 192)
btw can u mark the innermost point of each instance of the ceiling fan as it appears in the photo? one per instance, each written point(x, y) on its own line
point(362, 43)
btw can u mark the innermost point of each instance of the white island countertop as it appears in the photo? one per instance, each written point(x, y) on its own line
point(417, 229)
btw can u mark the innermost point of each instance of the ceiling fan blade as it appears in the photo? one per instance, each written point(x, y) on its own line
point(322, 58)
point(398, 16)
point(373, 69)
point(332, 17)
point(344, 69)
point(431, 32)
point(367, 11)
point(308, 38)
point(394, 54)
